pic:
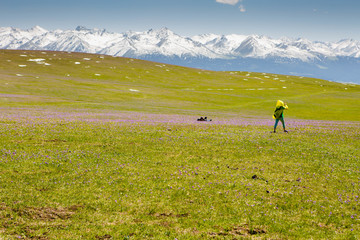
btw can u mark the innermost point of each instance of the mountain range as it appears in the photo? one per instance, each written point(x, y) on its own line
point(336, 61)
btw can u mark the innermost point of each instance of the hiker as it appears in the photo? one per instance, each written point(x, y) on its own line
point(278, 114)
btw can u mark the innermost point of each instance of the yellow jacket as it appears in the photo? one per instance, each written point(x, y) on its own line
point(280, 107)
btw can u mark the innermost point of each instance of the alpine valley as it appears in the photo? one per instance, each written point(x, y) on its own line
point(335, 61)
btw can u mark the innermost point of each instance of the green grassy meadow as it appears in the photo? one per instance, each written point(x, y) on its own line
point(96, 82)
point(97, 147)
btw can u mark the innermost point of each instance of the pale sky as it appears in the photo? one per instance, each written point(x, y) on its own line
point(323, 20)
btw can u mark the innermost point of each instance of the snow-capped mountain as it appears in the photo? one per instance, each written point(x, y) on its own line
point(161, 42)
point(164, 42)
point(229, 52)
point(13, 38)
point(131, 44)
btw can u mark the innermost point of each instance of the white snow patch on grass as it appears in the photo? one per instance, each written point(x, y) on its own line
point(19, 75)
point(22, 65)
point(87, 59)
point(97, 74)
point(133, 90)
point(77, 63)
point(37, 60)
point(284, 87)
point(23, 55)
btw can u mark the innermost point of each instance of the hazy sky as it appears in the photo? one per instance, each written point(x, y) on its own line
point(323, 20)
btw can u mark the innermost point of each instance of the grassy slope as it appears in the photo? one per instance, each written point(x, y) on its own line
point(165, 88)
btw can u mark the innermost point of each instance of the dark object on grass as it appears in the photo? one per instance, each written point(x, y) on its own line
point(254, 177)
point(204, 119)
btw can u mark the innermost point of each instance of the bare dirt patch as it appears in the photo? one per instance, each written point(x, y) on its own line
point(47, 213)
point(34, 222)
point(104, 237)
point(243, 230)
point(164, 215)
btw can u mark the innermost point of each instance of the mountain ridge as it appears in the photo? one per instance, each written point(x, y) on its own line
point(223, 46)
point(224, 49)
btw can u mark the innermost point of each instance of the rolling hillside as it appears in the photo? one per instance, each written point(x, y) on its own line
point(64, 80)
